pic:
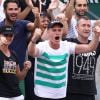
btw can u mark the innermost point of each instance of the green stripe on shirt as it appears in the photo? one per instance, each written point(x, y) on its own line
point(52, 63)
point(53, 69)
point(48, 84)
point(57, 57)
point(46, 76)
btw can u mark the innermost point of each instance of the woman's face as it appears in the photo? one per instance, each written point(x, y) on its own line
point(6, 39)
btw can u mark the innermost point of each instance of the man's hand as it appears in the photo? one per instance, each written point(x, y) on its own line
point(35, 11)
point(37, 34)
point(53, 5)
point(27, 65)
point(96, 28)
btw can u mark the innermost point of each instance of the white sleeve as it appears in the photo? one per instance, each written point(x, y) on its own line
point(40, 46)
point(72, 47)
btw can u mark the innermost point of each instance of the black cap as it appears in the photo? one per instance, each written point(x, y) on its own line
point(54, 22)
point(6, 30)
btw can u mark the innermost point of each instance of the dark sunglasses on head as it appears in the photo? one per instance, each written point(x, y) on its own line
point(8, 35)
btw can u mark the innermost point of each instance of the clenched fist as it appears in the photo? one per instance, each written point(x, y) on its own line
point(27, 65)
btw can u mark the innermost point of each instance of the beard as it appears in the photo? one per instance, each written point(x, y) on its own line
point(9, 19)
point(80, 15)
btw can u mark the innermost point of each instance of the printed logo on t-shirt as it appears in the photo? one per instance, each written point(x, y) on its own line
point(84, 66)
point(9, 67)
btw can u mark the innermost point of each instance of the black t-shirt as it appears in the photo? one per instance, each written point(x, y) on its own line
point(30, 16)
point(9, 84)
point(81, 72)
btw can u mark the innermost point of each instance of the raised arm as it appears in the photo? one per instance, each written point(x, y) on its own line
point(31, 26)
point(29, 3)
point(32, 50)
point(53, 5)
point(69, 10)
point(23, 14)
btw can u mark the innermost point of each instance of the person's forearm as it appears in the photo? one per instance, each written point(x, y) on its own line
point(32, 50)
point(23, 74)
point(22, 15)
point(94, 43)
point(69, 10)
point(31, 47)
point(36, 22)
point(84, 48)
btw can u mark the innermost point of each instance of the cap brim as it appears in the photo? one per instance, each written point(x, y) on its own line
point(7, 33)
point(53, 24)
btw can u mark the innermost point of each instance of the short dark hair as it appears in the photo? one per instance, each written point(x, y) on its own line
point(45, 14)
point(9, 1)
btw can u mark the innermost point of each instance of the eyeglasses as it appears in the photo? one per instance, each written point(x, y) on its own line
point(8, 35)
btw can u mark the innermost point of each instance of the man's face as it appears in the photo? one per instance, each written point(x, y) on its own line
point(55, 34)
point(81, 7)
point(83, 28)
point(11, 12)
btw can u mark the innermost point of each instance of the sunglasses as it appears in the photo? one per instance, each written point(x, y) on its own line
point(8, 35)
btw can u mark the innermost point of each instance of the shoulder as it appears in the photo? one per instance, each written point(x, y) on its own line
point(70, 39)
point(67, 43)
point(2, 23)
point(43, 43)
point(13, 53)
point(21, 25)
point(21, 21)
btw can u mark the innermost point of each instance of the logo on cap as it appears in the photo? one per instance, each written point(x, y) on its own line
point(54, 22)
point(6, 30)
